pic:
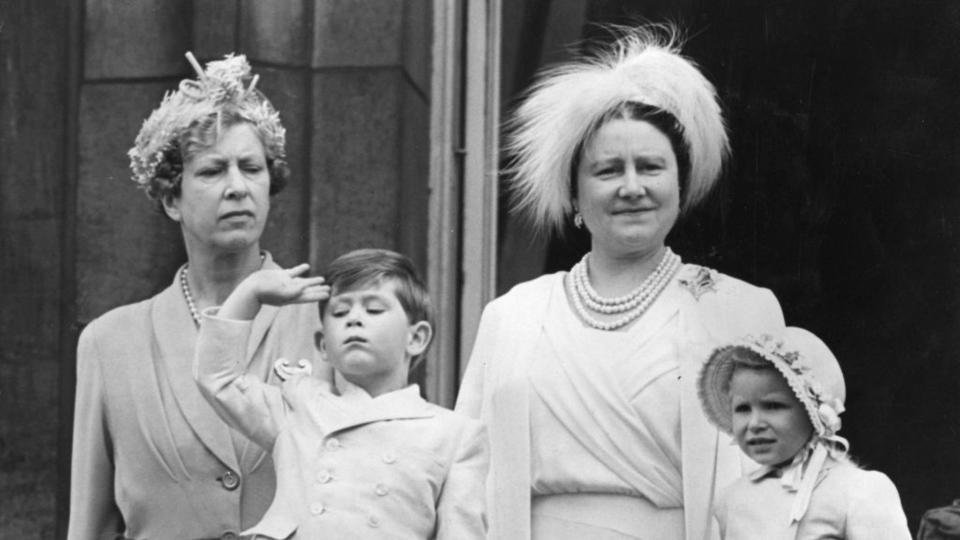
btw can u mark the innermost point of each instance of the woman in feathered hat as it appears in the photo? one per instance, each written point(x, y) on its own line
point(151, 458)
point(586, 379)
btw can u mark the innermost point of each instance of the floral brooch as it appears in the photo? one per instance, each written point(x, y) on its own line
point(704, 281)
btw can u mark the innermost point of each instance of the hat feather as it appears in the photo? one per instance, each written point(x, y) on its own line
point(563, 106)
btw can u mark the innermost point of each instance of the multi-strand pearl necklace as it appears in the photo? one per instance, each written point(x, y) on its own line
point(185, 287)
point(632, 305)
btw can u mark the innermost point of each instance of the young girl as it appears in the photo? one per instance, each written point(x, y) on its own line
point(781, 398)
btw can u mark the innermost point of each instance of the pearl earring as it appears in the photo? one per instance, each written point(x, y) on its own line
point(578, 220)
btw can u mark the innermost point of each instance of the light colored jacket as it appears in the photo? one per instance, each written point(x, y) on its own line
point(847, 502)
point(349, 465)
point(151, 458)
point(716, 310)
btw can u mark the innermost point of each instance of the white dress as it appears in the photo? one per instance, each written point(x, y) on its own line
point(605, 419)
point(585, 426)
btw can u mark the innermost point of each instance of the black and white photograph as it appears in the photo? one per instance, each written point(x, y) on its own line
point(480, 269)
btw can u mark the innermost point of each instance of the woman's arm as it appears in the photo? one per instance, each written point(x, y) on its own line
point(460, 508)
point(470, 394)
point(93, 511)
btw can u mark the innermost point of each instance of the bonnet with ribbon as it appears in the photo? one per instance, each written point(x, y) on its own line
point(814, 375)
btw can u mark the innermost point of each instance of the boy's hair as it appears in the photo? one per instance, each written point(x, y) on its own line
point(364, 267)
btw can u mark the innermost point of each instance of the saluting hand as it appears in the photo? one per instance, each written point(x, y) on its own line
point(277, 287)
point(280, 287)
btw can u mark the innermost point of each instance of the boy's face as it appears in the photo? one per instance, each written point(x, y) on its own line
point(769, 422)
point(368, 338)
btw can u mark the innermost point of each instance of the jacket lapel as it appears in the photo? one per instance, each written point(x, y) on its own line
point(176, 338)
point(360, 408)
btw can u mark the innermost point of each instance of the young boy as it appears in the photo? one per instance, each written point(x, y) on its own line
point(781, 398)
point(365, 456)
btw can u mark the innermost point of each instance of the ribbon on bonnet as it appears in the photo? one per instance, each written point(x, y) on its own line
point(814, 376)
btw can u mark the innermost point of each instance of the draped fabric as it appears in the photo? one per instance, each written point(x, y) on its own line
point(530, 371)
point(604, 402)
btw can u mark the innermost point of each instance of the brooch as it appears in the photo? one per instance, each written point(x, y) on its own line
point(703, 281)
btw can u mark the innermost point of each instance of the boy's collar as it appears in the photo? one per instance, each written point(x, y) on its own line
point(358, 408)
point(357, 393)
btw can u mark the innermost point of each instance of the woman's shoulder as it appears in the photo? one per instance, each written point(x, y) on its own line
point(118, 333)
point(729, 306)
point(120, 318)
point(704, 282)
point(528, 292)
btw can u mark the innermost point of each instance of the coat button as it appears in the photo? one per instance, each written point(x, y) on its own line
point(324, 477)
point(381, 490)
point(229, 535)
point(317, 508)
point(333, 444)
point(373, 521)
point(230, 480)
point(389, 457)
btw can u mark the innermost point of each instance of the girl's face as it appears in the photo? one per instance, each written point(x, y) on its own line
point(769, 423)
point(225, 192)
point(628, 187)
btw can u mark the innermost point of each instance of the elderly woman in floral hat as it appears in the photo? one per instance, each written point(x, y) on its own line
point(151, 458)
point(780, 396)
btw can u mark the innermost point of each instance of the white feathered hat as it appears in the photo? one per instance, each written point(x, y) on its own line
point(564, 106)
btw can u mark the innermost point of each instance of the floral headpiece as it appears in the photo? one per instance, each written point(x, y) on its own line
point(568, 100)
point(811, 371)
point(225, 85)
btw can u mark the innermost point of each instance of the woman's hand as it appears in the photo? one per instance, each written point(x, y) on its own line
point(285, 286)
point(273, 287)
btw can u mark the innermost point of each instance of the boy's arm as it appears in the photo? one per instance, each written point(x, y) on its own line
point(246, 403)
point(461, 508)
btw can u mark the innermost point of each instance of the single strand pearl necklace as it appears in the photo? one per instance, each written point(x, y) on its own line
point(632, 305)
point(185, 287)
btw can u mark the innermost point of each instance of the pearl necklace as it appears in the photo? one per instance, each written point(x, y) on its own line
point(185, 287)
point(632, 305)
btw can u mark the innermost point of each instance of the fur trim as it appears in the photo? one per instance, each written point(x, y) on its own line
point(562, 108)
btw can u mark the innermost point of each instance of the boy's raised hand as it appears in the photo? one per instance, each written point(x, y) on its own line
point(276, 287)
point(285, 286)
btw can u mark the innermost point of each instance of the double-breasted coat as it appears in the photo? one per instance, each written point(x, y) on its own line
point(350, 465)
point(151, 458)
